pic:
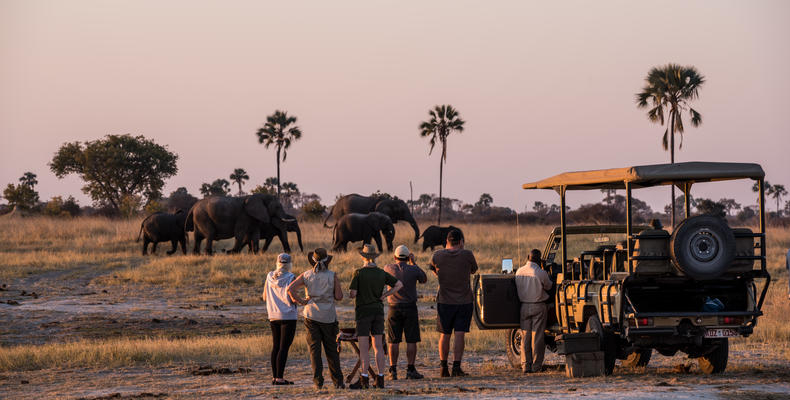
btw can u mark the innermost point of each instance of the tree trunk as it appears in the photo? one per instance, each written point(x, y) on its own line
point(441, 167)
point(239, 182)
point(672, 161)
point(278, 172)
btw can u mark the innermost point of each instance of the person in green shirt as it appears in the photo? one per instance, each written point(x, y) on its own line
point(367, 288)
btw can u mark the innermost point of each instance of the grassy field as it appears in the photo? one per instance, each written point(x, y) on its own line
point(60, 257)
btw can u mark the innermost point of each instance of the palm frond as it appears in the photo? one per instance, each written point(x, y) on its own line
point(696, 118)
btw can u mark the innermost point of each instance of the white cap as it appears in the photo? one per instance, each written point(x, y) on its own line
point(402, 252)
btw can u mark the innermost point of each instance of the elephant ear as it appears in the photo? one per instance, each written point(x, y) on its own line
point(254, 206)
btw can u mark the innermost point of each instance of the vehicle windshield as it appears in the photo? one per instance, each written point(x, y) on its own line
point(577, 243)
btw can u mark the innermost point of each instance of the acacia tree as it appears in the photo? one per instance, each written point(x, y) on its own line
point(444, 121)
point(239, 175)
point(24, 194)
point(117, 167)
point(279, 130)
point(669, 90)
point(29, 179)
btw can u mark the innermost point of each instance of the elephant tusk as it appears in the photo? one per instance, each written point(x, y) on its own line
point(290, 220)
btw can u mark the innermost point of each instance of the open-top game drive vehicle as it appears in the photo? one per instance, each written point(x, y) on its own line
point(639, 288)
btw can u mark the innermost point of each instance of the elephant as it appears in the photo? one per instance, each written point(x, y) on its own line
point(396, 209)
point(163, 227)
point(268, 232)
point(219, 217)
point(436, 236)
point(355, 227)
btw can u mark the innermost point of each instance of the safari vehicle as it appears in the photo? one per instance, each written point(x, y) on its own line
point(639, 288)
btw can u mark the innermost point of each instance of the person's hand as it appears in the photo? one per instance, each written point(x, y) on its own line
point(411, 259)
point(384, 296)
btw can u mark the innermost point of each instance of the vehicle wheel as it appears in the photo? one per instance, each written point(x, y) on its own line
point(715, 362)
point(514, 347)
point(702, 247)
point(638, 358)
point(608, 343)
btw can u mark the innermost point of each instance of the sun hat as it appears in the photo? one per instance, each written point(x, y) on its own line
point(402, 252)
point(319, 255)
point(284, 258)
point(368, 251)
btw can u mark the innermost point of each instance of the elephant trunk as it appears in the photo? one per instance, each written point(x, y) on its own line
point(414, 226)
point(299, 238)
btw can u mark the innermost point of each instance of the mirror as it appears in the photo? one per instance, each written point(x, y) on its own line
point(507, 265)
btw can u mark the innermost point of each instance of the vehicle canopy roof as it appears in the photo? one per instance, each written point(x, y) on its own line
point(650, 175)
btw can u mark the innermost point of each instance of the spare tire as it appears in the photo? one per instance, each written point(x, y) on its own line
point(702, 247)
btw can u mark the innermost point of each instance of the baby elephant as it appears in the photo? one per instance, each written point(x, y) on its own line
point(436, 236)
point(164, 227)
point(356, 227)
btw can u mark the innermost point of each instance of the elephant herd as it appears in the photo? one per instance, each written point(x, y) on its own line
point(249, 219)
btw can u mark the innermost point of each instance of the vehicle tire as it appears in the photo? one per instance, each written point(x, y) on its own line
point(715, 362)
point(638, 358)
point(702, 247)
point(514, 347)
point(608, 343)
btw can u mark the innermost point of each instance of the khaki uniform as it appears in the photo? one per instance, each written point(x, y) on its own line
point(532, 283)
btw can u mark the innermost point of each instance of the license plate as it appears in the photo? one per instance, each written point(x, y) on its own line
point(721, 333)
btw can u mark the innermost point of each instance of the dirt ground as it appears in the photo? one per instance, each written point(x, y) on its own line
point(55, 307)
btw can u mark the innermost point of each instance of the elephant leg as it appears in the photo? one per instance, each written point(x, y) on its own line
point(145, 245)
point(377, 238)
point(183, 242)
point(198, 240)
point(153, 249)
point(173, 243)
point(284, 240)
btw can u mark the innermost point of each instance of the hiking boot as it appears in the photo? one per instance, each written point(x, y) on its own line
point(413, 374)
point(458, 372)
point(362, 383)
point(379, 384)
point(445, 372)
point(393, 373)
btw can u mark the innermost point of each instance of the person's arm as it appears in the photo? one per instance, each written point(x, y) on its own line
point(338, 290)
point(393, 289)
point(545, 280)
point(293, 291)
point(432, 265)
point(474, 264)
point(263, 296)
point(354, 285)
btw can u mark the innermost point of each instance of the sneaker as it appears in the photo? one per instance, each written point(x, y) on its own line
point(362, 383)
point(413, 374)
point(379, 384)
point(445, 372)
point(393, 373)
point(458, 372)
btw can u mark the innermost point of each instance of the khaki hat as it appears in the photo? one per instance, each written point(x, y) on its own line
point(317, 255)
point(402, 252)
point(368, 251)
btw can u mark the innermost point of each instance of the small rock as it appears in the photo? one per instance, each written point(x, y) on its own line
point(235, 331)
point(572, 389)
point(191, 322)
point(663, 384)
point(104, 291)
point(24, 293)
point(156, 320)
point(12, 303)
point(221, 316)
point(24, 381)
point(35, 295)
point(238, 300)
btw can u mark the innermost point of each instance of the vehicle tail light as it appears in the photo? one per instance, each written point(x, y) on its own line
point(730, 320)
point(644, 321)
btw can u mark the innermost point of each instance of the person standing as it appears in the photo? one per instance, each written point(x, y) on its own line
point(403, 316)
point(282, 316)
point(532, 282)
point(787, 265)
point(453, 266)
point(367, 287)
point(320, 317)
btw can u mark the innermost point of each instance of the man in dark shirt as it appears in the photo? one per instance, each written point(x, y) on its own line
point(403, 316)
point(367, 287)
point(453, 265)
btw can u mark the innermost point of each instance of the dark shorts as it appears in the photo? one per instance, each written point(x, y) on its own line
point(370, 325)
point(453, 317)
point(403, 320)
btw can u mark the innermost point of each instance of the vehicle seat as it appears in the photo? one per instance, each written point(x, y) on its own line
point(744, 246)
point(652, 242)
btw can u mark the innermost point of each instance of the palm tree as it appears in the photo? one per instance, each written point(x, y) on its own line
point(777, 192)
point(239, 175)
point(444, 120)
point(279, 130)
point(669, 90)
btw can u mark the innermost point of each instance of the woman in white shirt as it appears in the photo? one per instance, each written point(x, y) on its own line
point(282, 315)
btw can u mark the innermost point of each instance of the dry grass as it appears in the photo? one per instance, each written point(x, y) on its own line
point(105, 251)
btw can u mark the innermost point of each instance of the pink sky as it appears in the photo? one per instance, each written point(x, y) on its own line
point(545, 87)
